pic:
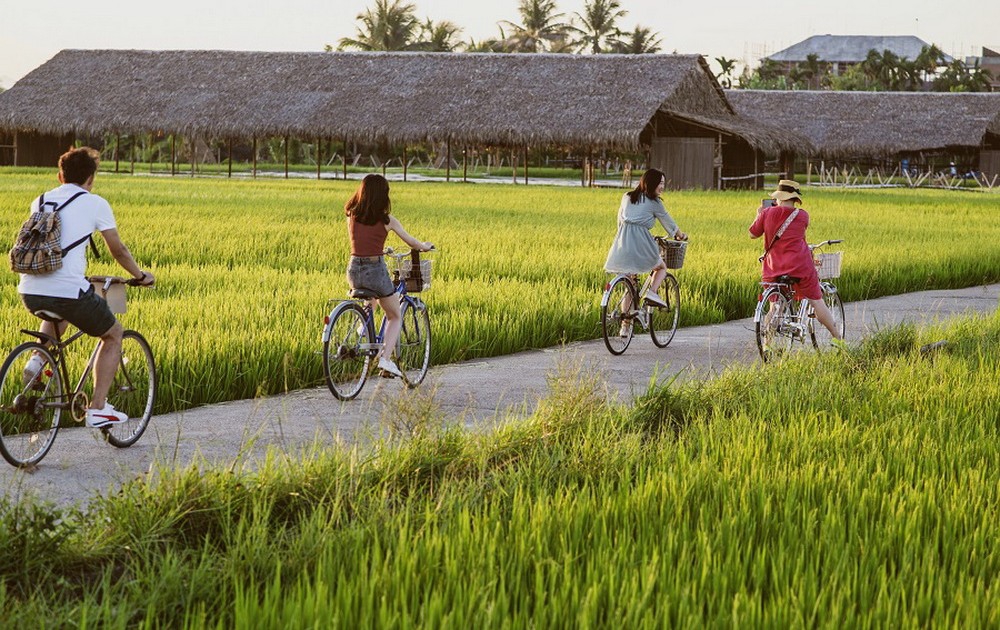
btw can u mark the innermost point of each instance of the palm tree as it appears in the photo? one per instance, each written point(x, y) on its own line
point(814, 70)
point(392, 25)
point(438, 36)
point(726, 67)
point(638, 42)
point(598, 25)
point(542, 27)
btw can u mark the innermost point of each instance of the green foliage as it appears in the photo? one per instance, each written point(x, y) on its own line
point(827, 490)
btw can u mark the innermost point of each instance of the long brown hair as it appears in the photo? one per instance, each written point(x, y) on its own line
point(370, 204)
point(647, 185)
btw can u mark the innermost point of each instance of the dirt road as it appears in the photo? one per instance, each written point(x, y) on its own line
point(81, 464)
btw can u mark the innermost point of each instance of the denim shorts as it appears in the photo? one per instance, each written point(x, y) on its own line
point(89, 312)
point(370, 273)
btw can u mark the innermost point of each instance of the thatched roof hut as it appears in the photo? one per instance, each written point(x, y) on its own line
point(877, 124)
point(611, 101)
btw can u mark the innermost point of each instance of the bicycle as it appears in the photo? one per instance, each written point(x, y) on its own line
point(781, 319)
point(350, 340)
point(32, 402)
point(620, 313)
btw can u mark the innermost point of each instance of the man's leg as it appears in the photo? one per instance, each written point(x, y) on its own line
point(108, 357)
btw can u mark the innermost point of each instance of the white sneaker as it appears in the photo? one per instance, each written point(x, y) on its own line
point(388, 365)
point(625, 331)
point(655, 299)
point(32, 369)
point(97, 418)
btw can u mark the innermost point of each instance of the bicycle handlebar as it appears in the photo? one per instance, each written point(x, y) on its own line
point(833, 241)
point(391, 252)
point(109, 280)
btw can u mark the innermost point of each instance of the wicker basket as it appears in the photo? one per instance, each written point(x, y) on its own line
point(673, 252)
point(419, 281)
point(828, 265)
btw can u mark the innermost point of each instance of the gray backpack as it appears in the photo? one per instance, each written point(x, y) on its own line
point(36, 250)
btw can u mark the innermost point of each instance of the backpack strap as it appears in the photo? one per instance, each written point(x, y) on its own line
point(41, 201)
point(777, 235)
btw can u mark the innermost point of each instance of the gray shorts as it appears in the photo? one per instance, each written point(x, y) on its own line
point(370, 273)
point(89, 312)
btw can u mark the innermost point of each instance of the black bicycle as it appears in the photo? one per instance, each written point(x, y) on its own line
point(34, 394)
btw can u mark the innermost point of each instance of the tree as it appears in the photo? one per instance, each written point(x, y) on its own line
point(640, 41)
point(392, 25)
point(726, 68)
point(815, 71)
point(438, 36)
point(541, 27)
point(598, 30)
point(959, 78)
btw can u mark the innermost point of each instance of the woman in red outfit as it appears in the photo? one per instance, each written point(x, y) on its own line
point(790, 255)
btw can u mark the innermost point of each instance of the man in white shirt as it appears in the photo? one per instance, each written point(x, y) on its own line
point(67, 292)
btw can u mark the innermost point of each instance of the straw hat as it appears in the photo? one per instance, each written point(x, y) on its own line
point(787, 189)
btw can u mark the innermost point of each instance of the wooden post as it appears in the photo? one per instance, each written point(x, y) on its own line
point(254, 169)
point(447, 163)
point(319, 157)
point(404, 163)
point(525, 165)
point(286, 157)
point(131, 147)
point(194, 156)
point(465, 165)
point(118, 142)
point(173, 154)
point(151, 152)
point(345, 159)
point(229, 158)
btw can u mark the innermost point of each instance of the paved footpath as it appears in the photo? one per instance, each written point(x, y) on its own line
point(477, 392)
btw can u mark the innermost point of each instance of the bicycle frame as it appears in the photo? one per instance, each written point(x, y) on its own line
point(636, 312)
point(58, 349)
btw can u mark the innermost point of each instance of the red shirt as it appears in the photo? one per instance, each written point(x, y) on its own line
point(790, 255)
point(366, 240)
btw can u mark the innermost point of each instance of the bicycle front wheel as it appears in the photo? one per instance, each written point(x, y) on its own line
point(133, 391)
point(414, 352)
point(663, 319)
point(618, 308)
point(820, 334)
point(31, 401)
point(348, 348)
point(774, 319)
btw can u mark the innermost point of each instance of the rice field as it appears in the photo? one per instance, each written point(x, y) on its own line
point(827, 491)
point(246, 269)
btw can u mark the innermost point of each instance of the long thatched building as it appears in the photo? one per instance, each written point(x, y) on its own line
point(668, 105)
point(886, 127)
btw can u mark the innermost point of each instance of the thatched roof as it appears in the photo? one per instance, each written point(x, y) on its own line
point(601, 100)
point(851, 48)
point(875, 124)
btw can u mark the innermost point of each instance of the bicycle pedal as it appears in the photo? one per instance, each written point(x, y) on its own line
point(385, 374)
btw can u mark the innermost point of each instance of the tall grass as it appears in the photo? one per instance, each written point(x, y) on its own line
point(246, 268)
point(853, 489)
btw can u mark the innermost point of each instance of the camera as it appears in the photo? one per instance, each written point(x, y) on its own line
point(767, 202)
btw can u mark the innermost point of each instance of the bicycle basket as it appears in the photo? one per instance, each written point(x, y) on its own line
point(828, 265)
point(416, 272)
point(115, 297)
point(672, 252)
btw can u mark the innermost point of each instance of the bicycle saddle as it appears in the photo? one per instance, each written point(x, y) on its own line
point(48, 316)
point(786, 279)
point(363, 294)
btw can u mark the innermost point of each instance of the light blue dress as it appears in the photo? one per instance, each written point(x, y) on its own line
point(634, 250)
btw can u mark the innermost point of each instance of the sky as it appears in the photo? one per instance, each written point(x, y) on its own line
point(32, 31)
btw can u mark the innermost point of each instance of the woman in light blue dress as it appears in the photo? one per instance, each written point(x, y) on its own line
point(634, 251)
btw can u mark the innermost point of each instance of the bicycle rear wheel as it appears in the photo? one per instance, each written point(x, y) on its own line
point(618, 307)
point(774, 317)
point(31, 399)
point(414, 352)
point(663, 320)
point(348, 343)
point(133, 391)
point(819, 333)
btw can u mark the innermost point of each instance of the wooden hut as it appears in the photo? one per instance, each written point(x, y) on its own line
point(885, 127)
point(669, 105)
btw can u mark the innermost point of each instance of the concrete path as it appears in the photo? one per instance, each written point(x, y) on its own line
point(477, 392)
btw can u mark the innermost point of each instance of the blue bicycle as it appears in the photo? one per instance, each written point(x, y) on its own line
point(350, 340)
